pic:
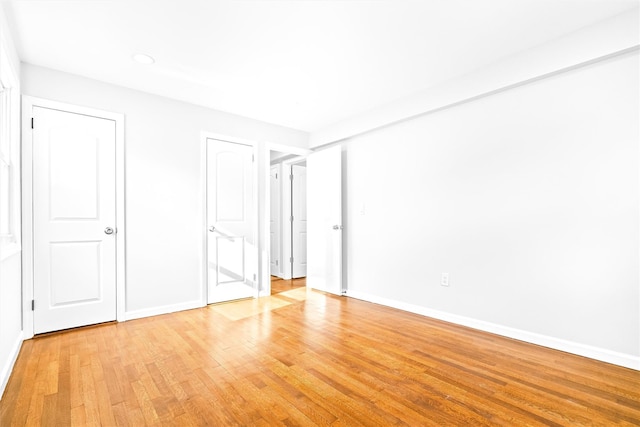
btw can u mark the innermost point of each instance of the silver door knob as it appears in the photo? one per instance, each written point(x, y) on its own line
point(108, 230)
point(212, 229)
point(337, 227)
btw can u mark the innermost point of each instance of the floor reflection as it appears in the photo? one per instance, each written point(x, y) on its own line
point(283, 293)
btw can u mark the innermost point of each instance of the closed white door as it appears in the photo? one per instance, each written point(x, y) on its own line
point(274, 221)
point(232, 247)
point(298, 221)
point(74, 220)
point(324, 220)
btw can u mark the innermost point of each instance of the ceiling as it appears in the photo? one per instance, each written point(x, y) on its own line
point(303, 64)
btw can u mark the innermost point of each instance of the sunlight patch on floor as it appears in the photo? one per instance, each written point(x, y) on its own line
point(237, 310)
point(299, 294)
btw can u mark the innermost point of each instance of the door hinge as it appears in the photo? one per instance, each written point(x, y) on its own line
point(253, 158)
point(276, 176)
point(291, 177)
point(291, 218)
point(255, 277)
point(31, 122)
point(276, 262)
point(291, 259)
point(33, 305)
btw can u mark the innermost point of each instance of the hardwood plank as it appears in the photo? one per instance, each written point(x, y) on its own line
point(307, 358)
point(279, 285)
point(78, 416)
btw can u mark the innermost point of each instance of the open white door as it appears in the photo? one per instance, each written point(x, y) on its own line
point(274, 221)
point(324, 220)
point(232, 247)
point(74, 219)
point(298, 221)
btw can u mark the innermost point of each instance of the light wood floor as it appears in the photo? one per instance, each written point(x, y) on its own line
point(306, 358)
point(280, 285)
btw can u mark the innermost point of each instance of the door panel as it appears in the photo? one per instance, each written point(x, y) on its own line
point(232, 250)
point(69, 286)
point(324, 220)
point(299, 223)
point(73, 165)
point(230, 259)
point(230, 186)
point(74, 200)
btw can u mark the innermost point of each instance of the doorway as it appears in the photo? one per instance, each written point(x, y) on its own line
point(280, 285)
point(293, 222)
point(324, 199)
point(287, 222)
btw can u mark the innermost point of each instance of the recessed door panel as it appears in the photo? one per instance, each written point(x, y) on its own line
point(73, 172)
point(80, 284)
point(74, 194)
point(230, 259)
point(230, 186)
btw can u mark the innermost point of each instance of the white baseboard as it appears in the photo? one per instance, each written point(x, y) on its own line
point(8, 366)
point(601, 354)
point(155, 311)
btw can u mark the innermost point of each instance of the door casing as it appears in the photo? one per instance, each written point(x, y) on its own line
point(28, 103)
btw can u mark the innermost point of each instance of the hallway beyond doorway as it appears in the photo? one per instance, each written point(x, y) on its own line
point(279, 285)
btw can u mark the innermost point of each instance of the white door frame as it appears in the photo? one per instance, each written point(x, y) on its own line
point(203, 190)
point(28, 103)
point(266, 237)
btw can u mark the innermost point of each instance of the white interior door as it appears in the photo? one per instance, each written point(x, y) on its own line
point(298, 221)
point(274, 221)
point(74, 219)
point(324, 220)
point(232, 248)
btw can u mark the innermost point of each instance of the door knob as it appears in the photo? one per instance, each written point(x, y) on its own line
point(337, 227)
point(108, 230)
point(212, 229)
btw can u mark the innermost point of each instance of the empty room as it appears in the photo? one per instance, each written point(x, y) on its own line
point(320, 212)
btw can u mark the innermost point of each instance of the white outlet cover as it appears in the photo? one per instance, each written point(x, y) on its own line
point(444, 279)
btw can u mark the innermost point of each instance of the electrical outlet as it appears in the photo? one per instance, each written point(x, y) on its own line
point(444, 279)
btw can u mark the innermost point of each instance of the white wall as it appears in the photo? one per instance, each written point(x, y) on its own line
point(616, 34)
point(10, 265)
point(164, 209)
point(528, 198)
